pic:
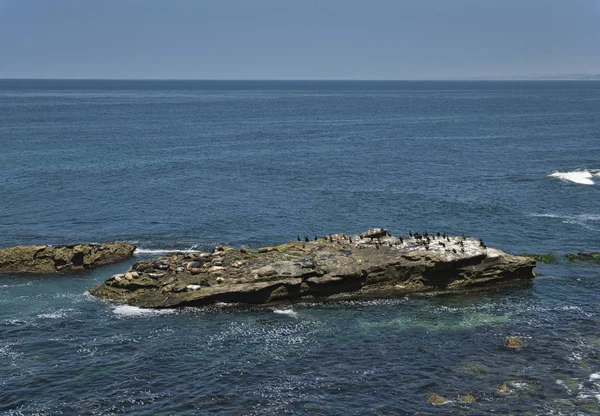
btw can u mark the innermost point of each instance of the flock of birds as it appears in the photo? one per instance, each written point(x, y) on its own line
point(425, 239)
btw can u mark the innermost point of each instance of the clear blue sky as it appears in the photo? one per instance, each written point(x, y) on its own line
point(298, 39)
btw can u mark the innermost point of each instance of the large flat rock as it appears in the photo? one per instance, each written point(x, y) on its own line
point(54, 259)
point(373, 264)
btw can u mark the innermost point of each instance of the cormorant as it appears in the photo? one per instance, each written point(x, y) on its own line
point(306, 238)
point(410, 233)
point(299, 237)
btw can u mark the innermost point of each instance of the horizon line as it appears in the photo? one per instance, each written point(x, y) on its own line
point(586, 77)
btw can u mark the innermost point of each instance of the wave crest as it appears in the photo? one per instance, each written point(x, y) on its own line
point(583, 177)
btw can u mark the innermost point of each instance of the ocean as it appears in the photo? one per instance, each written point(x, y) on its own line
point(187, 165)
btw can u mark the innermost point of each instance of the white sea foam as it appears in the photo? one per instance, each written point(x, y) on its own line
point(288, 312)
point(583, 220)
point(63, 313)
point(164, 250)
point(546, 215)
point(583, 177)
point(563, 384)
point(594, 376)
point(127, 310)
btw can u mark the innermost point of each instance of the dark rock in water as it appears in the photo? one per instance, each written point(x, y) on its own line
point(53, 259)
point(321, 270)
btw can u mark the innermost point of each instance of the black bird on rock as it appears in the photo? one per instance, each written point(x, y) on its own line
point(306, 239)
point(299, 237)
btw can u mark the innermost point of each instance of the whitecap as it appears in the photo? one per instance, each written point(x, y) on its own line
point(53, 315)
point(594, 376)
point(582, 220)
point(288, 312)
point(128, 310)
point(544, 215)
point(583, 177)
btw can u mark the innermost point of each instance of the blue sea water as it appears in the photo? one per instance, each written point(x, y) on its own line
point(191, 164)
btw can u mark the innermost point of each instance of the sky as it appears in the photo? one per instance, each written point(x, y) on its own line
point(298, 39)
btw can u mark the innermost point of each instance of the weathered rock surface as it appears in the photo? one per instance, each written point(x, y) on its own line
point(337, 267)
point(53, 259)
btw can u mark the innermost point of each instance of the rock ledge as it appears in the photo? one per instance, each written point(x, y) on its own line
point(54, 259)
point(373, 264)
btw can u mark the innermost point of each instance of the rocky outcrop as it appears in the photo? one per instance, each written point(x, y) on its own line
point(339, 266)
point(53, 259)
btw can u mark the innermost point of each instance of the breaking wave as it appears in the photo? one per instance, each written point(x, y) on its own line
point(582, 177)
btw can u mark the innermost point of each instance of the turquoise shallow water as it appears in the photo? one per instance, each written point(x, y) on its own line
point(179, 165)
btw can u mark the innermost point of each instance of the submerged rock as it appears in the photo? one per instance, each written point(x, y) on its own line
point(53, 259)
point(436, 400)
point(504, 389)
point(584, 256)
point(514, 342)
point(542, 258)
point(467, 398)
point(339, 267)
